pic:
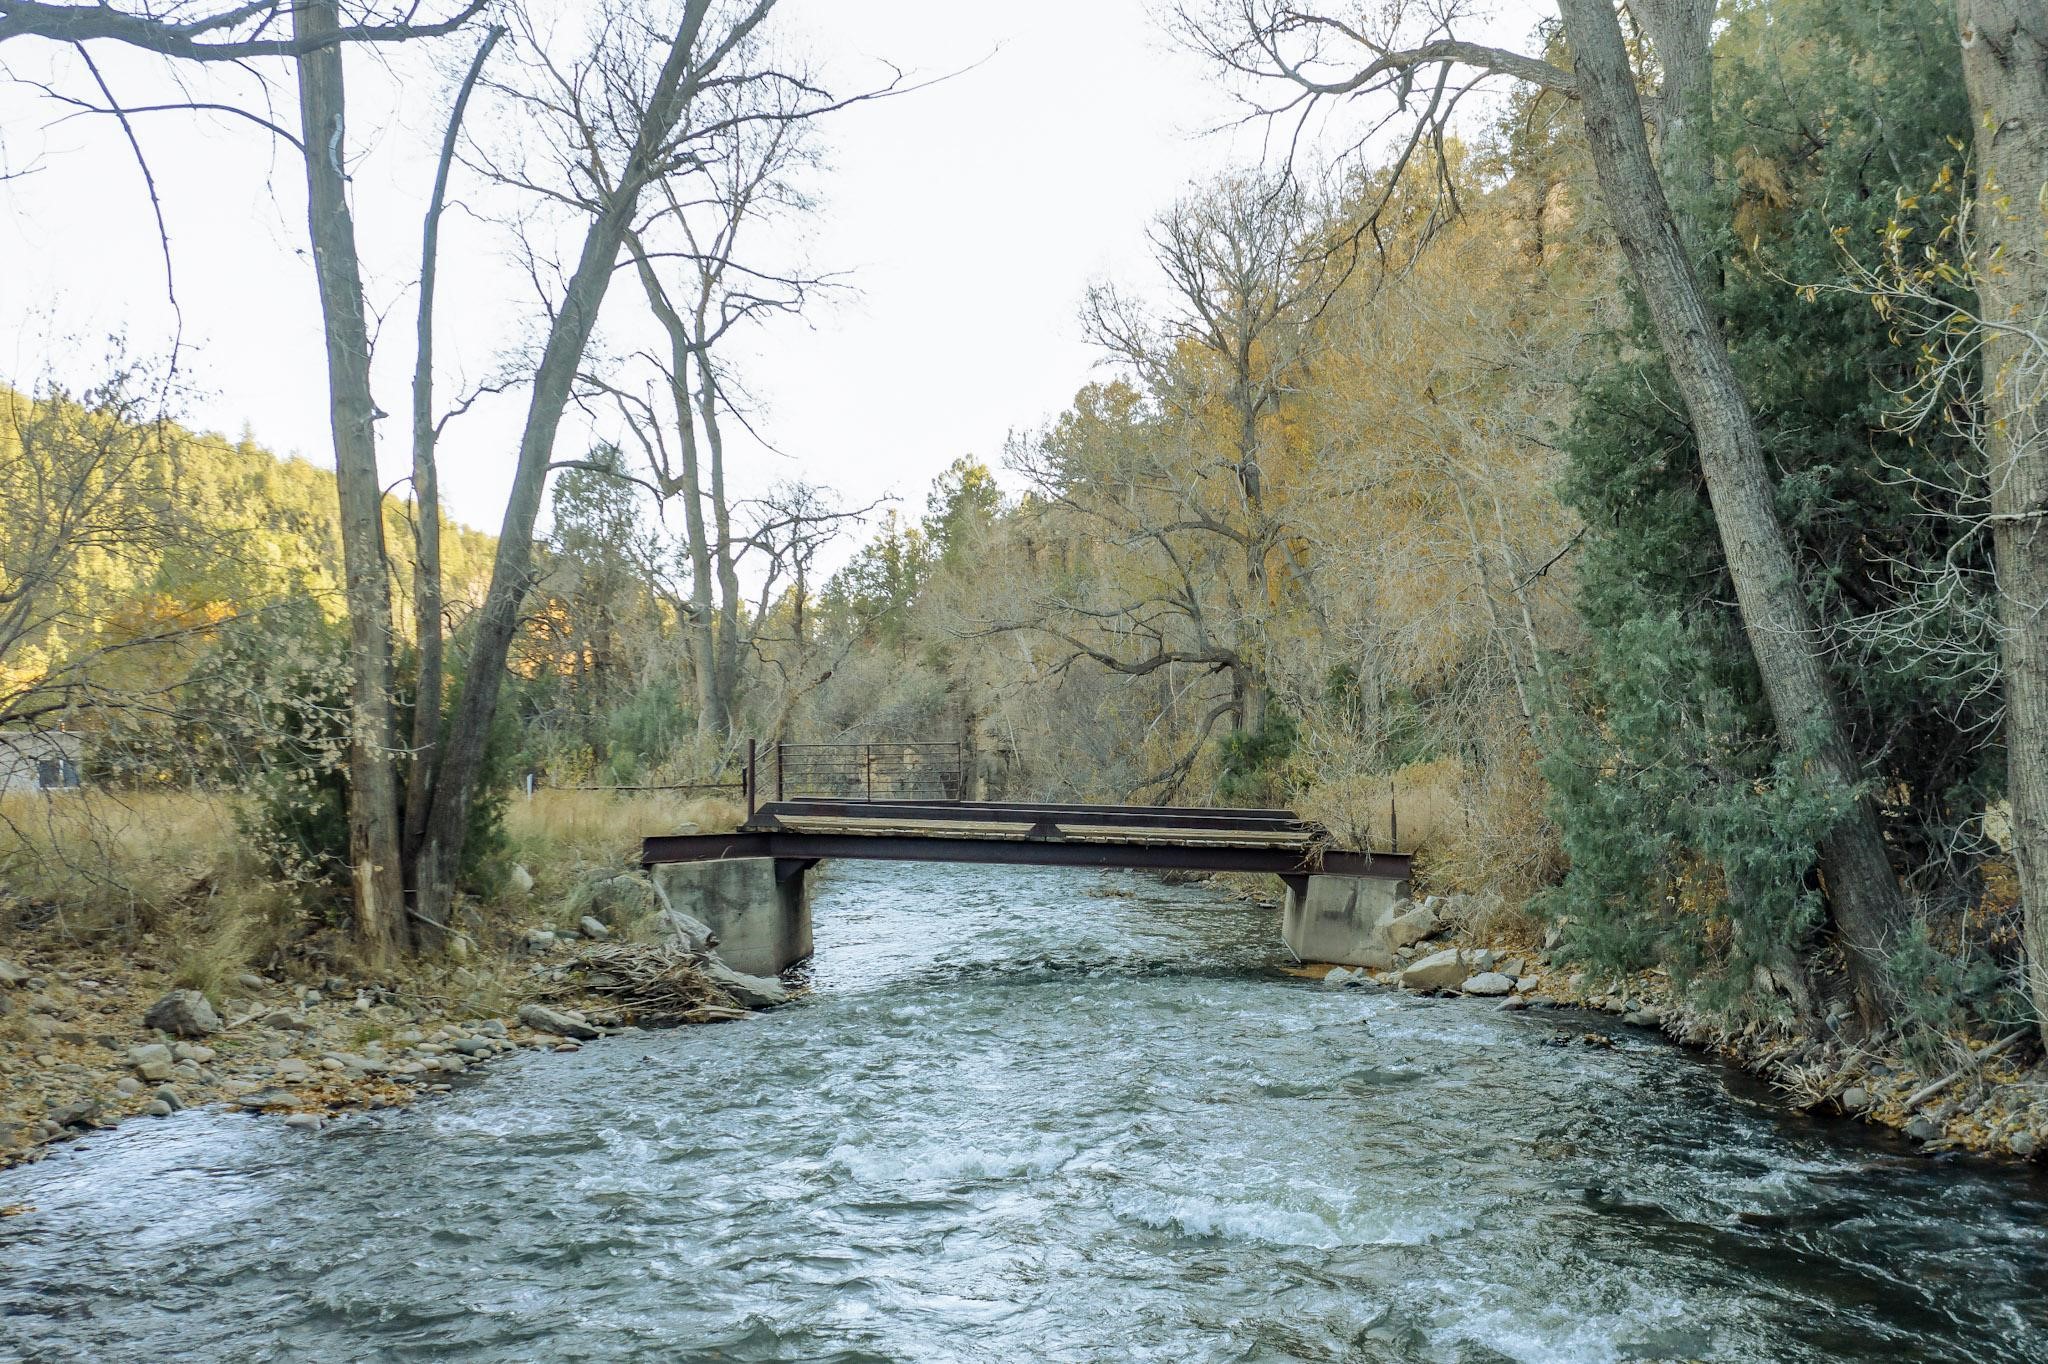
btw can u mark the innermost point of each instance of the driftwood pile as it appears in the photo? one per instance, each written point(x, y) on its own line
point(655, 983)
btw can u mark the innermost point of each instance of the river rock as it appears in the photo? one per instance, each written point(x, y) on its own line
point(1488, 983)
point(159, 1109)
point(1344, 975)
point(755, 992)
point(303, 1122)
point(183, 1013)
point(150, 1053)
point(522, 879)
point(77, 1113)
point(1921, 1129)
point(541, 1018)
point(1438, 971)
point(1855, 1098)
point(592, 929)
point(127, 1086)
point(2023, 1144)
point(10, 974)
point(168, 1096)
point(685, 930)
point(1402, 929)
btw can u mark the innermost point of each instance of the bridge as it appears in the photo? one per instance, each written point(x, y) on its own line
point(907, 802)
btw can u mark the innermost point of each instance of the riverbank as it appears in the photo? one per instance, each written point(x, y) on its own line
point(1988, 1096)
point(91, 1037)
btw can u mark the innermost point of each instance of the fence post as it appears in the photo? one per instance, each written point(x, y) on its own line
point(778, 771)
point(752, 784)
point(868, 754)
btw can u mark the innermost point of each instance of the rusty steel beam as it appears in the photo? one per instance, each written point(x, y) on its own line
point(787, 847)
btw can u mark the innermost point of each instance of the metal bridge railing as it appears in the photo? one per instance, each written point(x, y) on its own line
point(882, 770)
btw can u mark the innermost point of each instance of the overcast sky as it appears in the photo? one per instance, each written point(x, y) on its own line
point(971, 215)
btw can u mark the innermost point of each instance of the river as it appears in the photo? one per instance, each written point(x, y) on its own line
point(1044, 1115)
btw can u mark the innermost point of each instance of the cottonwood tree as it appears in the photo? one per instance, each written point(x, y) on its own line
point(1247, 270)
point(701, 288)
point(649, 73)
point(1415, 61)
point(2005, 67)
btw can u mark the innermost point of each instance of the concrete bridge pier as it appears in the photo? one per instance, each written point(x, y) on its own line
point(759, 907)
point(1341, 919)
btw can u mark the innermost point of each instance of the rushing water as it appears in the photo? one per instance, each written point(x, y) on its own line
point(1039, 1116)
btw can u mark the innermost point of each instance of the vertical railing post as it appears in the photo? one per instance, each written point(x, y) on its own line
point(868, 751)
point(1393, 818)
point(778, 771)
point(751, 781)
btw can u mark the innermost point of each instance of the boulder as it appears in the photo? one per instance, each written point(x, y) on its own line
point(1488, 983)
point(1855, 1098)
point(183, 1013)
point(1344, 975)
point(1407, 926)
point(592, 929)
point(522, 879)
point(1443, 970)
point(168, 1097)
point(10, 974)
point(541, 1018)
point(755, 992)
point(684, 930)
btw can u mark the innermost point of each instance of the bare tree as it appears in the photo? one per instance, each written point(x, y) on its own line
point(1248, 272)
point(647, 77)
point(697, 227)
point(2005, 65)
point(1422, 48)
point(376, 867)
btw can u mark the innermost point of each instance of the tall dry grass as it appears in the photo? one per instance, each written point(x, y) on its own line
point(562, 829)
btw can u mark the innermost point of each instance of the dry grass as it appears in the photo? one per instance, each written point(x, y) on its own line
point(570, 828)
point(104, 861)
point(1409, 810)
point(1479, 829)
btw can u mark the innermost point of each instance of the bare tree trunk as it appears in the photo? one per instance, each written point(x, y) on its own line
point(375, 866)
point(1864, 896)
point(677, 83)
point(702, 631)
point(426, 571)
point(2005, 66)
point(727, 654)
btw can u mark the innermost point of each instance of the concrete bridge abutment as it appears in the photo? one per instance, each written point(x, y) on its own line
point(758, 907)
point(1341, 919)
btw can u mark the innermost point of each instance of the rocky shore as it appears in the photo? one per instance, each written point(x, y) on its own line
point(89, 1037)
point(1988, 1096)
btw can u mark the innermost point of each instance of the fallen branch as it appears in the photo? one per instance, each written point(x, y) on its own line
point(1976, 1061)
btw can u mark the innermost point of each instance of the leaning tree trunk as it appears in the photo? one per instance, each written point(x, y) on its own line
point(1864, 896)
point(2005, 65)
point(374, 859)
point(497, 622)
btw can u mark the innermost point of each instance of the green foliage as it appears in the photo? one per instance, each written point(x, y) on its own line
point(871, 596)
point(1253, 760)
point(1691, 834)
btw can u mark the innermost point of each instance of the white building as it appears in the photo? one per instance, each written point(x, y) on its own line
point(38, 760)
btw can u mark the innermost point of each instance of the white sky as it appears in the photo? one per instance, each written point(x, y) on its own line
point(971, 216)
